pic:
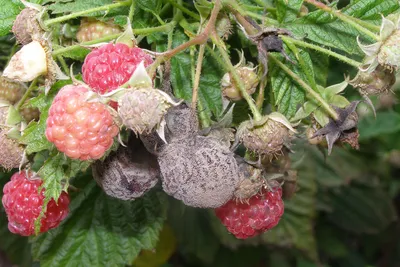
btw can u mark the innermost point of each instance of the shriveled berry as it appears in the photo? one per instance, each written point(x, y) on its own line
point(23, 204)
point(378, 81)
point(251, 183)
point(11, 152)
point(82, 130)
point(261, 213)
point(249, 78)
point(30, 114)
point(92, 29)
point(111, 65)
point(127, 173)
point(266, 139)
point(10, 90)
point(26, 26)
point(142, 109)
point(199, 171)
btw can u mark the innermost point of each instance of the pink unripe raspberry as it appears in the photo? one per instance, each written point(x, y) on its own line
point(82, 130)
point(111, 65)
point(253, 217)
point(23, 204)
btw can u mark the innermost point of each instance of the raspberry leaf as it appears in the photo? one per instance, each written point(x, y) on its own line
point(101, 231)
point(324, 29)
point(287, 10)
point(387, 122)
point(287, 93)
point(361, 209)
point(8, 13)
point(181, 74)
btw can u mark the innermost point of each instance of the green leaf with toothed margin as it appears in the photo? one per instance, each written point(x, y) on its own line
point(100, 230)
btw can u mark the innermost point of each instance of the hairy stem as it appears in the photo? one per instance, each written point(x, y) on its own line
point(322, 50)
point(349, 20)
point(144, 31)
point(236, 78)
point(311, 93)
point(198, 40)
point(27, 94)
point(196, 81)
point(261, 93)
point(85, 12)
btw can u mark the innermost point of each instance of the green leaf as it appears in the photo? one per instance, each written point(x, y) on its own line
point(386, 122)
point(371, 9)
point(76, 54)
point(322, 28)
point(287, 93)
point(361, 209)
point(287, 10)
point(34, 135)
point(101, 231)
point(192, 230)
point(59, 7)
point(152, 6)
point(8, 12)
point(17, 248)
point(181, 78)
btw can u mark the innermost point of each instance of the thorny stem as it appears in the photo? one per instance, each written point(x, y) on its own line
point(27, 94)
point(198, 40)
point(343, 17)
point(322, 50)
point(196, 81)
point(144, 31)
point(85, 12)
point(236, 79)
point(306, 87)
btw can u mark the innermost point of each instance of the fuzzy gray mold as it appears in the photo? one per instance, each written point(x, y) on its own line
point(199, 171)
point(127, 173)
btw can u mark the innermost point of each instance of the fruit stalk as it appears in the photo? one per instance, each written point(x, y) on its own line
point(196, 81)
point(228, 65)
point(198, 40)
point(27, 94)
point(322, 50)
point(343, 18)
point(85, 12)
point(183, 9)
point(306, 87)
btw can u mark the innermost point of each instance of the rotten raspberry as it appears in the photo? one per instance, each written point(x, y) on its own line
point(257, 215)
point(82, 130)
point(23, 204)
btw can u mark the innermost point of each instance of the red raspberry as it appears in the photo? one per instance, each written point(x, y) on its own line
point(261, 213)
point(82, 130)
point(23, 204)
point(111, 65)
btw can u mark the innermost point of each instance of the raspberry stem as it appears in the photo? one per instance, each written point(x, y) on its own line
point(306, 87)
point(322, 50)
point(198, 40)
point(348, 19)
point(143, 31)
point(196, 82)
point(85, 12)
point(236, 78)
point(27, 94)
